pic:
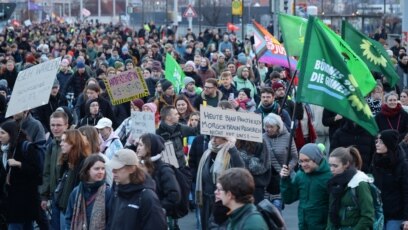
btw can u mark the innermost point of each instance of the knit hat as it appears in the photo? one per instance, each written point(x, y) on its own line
point(56, 83)
point(11, 129)
point(138, 103)
point(125, 49)
point(156, 66)
point(157, 144)
point(277, 85)
point(80, 65)
point(242, 58)
point(190, 63)
point(152, 106)
point(165, 84)
point(188, 80)
point(390, 137)
point(118, 64)
point(312, 151)
point(128, 61)
point(4, 85)
point(247, 91)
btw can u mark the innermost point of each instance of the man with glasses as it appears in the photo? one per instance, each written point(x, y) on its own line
point(210, 96)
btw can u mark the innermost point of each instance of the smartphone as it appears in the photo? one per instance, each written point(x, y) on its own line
point(231, 96)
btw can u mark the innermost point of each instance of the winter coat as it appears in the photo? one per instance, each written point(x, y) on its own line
point(393, 183)
point(33, 128)
point(398, 122)
point(105, 107)
point(351, 216)
point(211, 101)
point(63, 79)
point(241, 83)
point(198, 147)
point(311, 191)
point(204, 75)
point(138, 201)
point(241, 220)
point(354, 135)
point(275, 108)
point(168, 189)
point(51, 171)
point(111, 145)
point(10, 77)
point(176, 134)
point(23, 198)
point(76, 83)
point(328, 120)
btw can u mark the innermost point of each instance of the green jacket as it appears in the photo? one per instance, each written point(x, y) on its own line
point(311, 191)
point(353, 217)
point(245, 83)
point(51, 172)
point(241, 219)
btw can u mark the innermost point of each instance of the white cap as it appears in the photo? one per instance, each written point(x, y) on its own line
point(103, 123)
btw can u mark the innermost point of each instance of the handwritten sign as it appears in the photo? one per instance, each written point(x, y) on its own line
point(126, 86)
point(142, 122)
point(33, 87)
point(168, 154)
point(227, 123)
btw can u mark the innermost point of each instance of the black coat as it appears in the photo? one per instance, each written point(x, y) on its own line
point(350, 135)
point(398, 122)
point(135, 207)
point(23, 198)
point(198, 147)
point(328, 121)
point(10, 77)
point(393, 183)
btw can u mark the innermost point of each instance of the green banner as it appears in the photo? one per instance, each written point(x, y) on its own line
point(326, 80)
point(174, 73)
point(370, 51)
point(293, 33)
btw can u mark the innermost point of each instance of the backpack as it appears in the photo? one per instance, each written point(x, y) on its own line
point(184, 179)
point(40, 150)
point(378, 205)
point(271, 215)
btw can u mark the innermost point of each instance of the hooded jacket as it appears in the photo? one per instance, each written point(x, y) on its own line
point(311, 191)
point(138, 201)
point(244, 83)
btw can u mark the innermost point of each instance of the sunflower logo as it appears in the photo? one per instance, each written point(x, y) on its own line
point(377, 60)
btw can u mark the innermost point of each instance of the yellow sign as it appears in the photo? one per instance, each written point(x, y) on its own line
point(237, 7)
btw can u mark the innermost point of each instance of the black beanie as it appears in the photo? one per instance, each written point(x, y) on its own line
point(11, 129)
point(165, 84)
point(157, 144)
point(247, 91)
point(390, 137)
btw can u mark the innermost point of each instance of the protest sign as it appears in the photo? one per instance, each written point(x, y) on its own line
point(126, 86)
point(230, 123)
point(168, 154)
point(33, 87)
point(142, 122)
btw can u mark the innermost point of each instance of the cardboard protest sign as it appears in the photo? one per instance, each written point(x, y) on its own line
point(142, 122)
point(33, 87)
point(227, 123)
point(168, 154)
point(126, 86)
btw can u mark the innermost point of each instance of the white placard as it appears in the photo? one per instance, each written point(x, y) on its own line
point(169, 155)
point(27, 22)
point(33, 87)
point(142, 122)
point(230, 123)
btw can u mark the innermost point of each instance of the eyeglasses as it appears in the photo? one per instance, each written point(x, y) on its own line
point(306, 161)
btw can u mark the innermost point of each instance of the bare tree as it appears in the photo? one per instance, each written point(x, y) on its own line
point(211, 11)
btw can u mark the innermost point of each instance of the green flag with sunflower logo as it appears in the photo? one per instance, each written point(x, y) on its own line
point(326, 80)
point(293, 33)
point(370, 51)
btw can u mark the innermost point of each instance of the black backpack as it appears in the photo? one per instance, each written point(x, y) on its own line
point(184, 179)
point(270, 214)
point(40, 149)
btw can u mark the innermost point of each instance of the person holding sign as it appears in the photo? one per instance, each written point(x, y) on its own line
point(220, 156)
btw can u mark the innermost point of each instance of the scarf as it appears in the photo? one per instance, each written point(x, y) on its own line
point(221, 163)
point(388, 112)
point(243, 103)
point(97, 220)
point(337, 186)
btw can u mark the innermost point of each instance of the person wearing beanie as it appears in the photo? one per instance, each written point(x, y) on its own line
point(129, 64)
point(390, 173)
point(190, 70)
point(119, 67)
point(244, 101)
point(21, 173)
point(167, 97)
point(152, 108)
point(189, 89)
point(308, 186)
point(77, 82)
point(149, 149)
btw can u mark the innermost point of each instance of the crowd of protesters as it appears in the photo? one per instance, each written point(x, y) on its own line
point(74, 164)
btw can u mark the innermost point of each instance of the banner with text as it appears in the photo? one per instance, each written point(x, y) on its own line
point(142, 122)
point(33, 87)
point(126, 86)
point(227, 123)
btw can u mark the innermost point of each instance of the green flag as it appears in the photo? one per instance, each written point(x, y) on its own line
point(370, 51)
point(326, 80)
point(293, 33)
point(174, 73)
point(357, 67)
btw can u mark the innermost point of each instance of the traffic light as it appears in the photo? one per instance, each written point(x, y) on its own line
point(285, 5)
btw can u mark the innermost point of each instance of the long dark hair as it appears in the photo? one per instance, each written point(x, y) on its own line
point(147, 162)
point(88, 163)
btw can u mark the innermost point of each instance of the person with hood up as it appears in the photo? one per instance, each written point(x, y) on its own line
point(133, 195)
point(309, 187)
point(92, 113)
point(149, 149)
point(110, 141)
point(191, 71)
point(390, 171)
point(242, 80)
